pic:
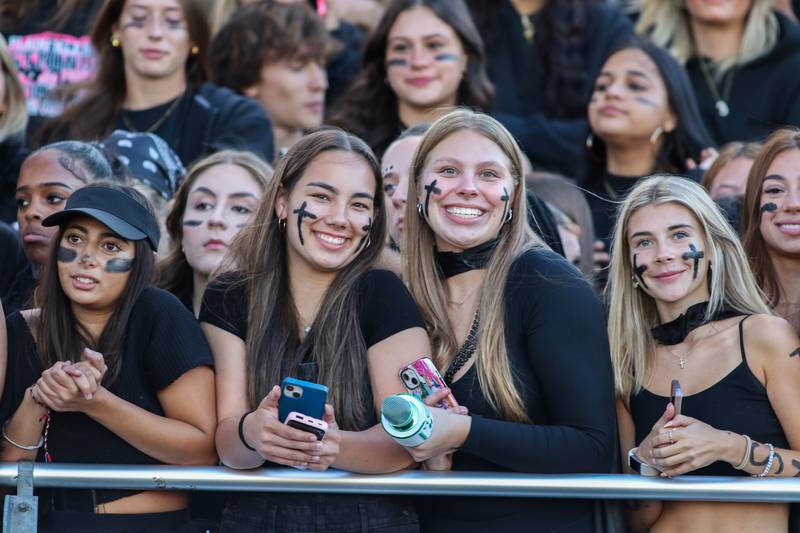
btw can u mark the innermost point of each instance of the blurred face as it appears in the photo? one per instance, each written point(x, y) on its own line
point(570, 235)
point(424, 60)
point(154, 38)
point(292, 91)
point(629, 100)
point(329, 212)
point(396, 166)
point(732, 178)
point(42, 188)
point(718, 11)
point(94, 264)
point(780, 205)
point(465, 190)
point(220, 203)
point(668, 255)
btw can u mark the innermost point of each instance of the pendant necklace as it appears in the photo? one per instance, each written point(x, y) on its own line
point(683, 357)
point(720, 100)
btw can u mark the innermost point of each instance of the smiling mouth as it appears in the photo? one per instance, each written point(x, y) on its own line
point(84, 282)
point(466, 212)
point(331, 239)
point(788, 225)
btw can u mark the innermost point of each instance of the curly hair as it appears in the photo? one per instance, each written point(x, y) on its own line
point(266, 32)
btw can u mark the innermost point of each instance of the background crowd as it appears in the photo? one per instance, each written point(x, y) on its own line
point(566, 204)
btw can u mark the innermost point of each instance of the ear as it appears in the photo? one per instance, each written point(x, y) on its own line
point(281, 203)
point(670, 124)
point(251, 92)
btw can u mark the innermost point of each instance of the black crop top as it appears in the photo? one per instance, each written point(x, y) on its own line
point(162, 342)
point(738, 403)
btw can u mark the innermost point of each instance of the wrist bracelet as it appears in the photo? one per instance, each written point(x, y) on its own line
point(748, 450)
point(241, 431)
point(21, 446)
point(768, 466)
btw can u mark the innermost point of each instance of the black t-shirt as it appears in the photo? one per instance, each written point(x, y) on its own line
point(558, 350)
point(385, 308)
point(162, 342)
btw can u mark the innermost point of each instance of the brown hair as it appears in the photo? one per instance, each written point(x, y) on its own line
point(335, 343)
point(173, 272)
point(92, 117)
point(15, 118)
point(262, 33)
point(15, 12)
point(780, 141)
point(729, 152)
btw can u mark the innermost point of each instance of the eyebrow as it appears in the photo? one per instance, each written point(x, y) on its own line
point(205, 190)
point(489, 162)
point(429, 36)
point(363, 195)
point(242, 195)
point(325, 186)
point(102, 235)
point(45, 185)
point(670, 228)
point(774, 177)
point(638, 73)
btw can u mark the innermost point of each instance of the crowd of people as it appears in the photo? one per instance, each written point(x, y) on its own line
point(567, 205)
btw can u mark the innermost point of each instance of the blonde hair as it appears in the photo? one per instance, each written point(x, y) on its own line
point(495, 374)
point(667, 24)
point(632, 313)
point(15, 118)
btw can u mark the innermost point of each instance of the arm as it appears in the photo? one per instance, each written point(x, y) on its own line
point(25, 427)
point(773, 355)
point(641, 514)
point(372, 451)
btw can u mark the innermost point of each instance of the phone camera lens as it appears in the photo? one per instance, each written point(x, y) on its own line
point(289, 387)
point(414, 381)
point(295, 394)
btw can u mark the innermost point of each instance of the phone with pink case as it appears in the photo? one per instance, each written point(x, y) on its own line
point(303, 422)
point(421, 378)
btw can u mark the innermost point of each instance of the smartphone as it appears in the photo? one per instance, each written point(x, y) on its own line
point(319, 6)
point(302, 396)
point(676, 396)
point(302, 422)
point(421, 378)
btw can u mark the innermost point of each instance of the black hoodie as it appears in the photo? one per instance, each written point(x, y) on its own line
point(764, 92)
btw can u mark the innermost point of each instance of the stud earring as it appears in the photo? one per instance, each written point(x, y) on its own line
point(195, 50)
point(114, 42)
point(589, 141)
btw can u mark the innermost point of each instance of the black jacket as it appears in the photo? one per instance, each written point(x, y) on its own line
point(12, 154)
point(764, 92)
point(516, 71)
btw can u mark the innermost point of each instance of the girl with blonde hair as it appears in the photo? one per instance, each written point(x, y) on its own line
point(500, 309)
point(684, 306)
point(734, 52)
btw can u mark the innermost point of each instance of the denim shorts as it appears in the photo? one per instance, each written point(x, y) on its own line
point(316, 513)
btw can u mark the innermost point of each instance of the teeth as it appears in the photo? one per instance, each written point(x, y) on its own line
point(790, 226)
point(330, 239)
point(464, 211)
point(81, 279)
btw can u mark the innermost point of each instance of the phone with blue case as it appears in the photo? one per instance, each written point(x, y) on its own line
point(303, 397)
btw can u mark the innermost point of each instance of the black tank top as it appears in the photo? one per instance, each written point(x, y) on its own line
point(738, 403)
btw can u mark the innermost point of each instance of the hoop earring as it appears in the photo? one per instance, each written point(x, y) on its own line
point(114, 42)
point(589, 141)
point(509, 216)
point(419, 210)
point(635, 282)
point(656, 134)
point(195, 50)
point(282, 224)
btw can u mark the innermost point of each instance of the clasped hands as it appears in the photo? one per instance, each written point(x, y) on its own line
point(68, 386)
point(285, 445)
point(680, 444)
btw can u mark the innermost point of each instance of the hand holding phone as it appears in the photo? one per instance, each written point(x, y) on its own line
point(676, 396)
point(303, 397)
point(315, 426)
point(422, 379)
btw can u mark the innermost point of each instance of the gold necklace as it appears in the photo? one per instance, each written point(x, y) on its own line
point(720, 100)
point(683, 357)
point(467, 297)
point(158, 123)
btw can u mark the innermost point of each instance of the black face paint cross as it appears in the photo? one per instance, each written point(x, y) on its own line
point(639, 271)
point(365, 238)
point(768, 207)
point(430, 189)
point(301, 214)
point(695, 254)
point(505, 199)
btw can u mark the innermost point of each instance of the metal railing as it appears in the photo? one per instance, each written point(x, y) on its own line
point(20, 510)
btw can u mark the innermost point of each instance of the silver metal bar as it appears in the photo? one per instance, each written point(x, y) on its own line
point(605, 486)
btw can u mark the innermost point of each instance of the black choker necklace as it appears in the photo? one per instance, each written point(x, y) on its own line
point(452, 263)
point(676, 331)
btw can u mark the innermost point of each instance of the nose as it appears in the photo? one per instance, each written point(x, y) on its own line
point(33, 211)
point(155, 30)
point(420, 57)
point(664, 252)
point(614, 89)
point(87, 260)
point(466, 185)
point(318, 80)
point(337, 215)
point(792, 202)
point(217, 216)
point(399, 195)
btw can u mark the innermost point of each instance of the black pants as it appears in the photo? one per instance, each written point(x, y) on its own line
point(77, 522)
point(316, 513)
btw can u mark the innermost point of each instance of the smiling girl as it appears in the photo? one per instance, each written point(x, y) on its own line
point(684, 306)
point(107, 369)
